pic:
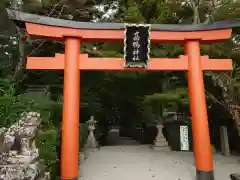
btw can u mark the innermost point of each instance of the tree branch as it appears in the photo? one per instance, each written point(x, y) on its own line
point(43, 41)
point(54, 7)
point(214, 11)
point(215, 99)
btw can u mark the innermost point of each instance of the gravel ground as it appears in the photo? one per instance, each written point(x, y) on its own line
point(139, 162)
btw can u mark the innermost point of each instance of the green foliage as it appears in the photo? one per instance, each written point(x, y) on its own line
point(6, 88)
point(165, 97)
point(3, 3)
point(12, 107)
point(172, 100)
point(40, 102)
point(47, 142)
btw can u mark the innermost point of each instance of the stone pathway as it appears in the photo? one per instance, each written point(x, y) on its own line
point(129, 162)
point(141, 163)
point(114, 139)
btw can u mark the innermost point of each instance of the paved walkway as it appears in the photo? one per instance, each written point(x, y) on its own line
point(129, 162)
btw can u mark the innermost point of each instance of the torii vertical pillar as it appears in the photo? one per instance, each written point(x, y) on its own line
point(200, 129)
point(70, 122)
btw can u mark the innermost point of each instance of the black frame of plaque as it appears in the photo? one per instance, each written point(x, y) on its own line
point(144, 50)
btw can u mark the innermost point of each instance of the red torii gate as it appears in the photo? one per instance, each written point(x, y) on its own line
point(73, 33)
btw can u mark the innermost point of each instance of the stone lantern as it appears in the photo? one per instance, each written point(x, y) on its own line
point(91, 140)
point(160, 143)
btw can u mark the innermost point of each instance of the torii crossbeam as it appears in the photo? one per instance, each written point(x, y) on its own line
point(73, 33)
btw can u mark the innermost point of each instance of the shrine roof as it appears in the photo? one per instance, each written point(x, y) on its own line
point(19, 17)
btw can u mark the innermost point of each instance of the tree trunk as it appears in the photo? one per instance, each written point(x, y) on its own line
point(196, 19)
point(18, 73)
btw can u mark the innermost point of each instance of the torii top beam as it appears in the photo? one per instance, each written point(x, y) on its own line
point(58, 29)
point(52, 28)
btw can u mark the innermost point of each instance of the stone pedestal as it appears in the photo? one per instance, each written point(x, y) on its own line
point(160, 142)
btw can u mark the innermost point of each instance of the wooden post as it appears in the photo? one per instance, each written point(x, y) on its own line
point(70, 122)
point(224, 141)
point(201, 137)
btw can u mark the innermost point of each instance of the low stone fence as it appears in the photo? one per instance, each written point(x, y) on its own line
point(18, 153)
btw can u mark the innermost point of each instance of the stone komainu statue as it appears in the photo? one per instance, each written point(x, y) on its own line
point(18, 152)
point(235, 176)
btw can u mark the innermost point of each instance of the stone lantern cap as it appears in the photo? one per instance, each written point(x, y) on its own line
point(92, 120)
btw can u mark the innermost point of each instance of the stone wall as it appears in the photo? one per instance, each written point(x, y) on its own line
point(19, 157)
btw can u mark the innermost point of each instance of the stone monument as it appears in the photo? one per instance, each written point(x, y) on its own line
point(160, 142)
point(91, 140)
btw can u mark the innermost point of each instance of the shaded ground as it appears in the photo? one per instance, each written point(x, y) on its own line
point(114, 139)
point(128, 162)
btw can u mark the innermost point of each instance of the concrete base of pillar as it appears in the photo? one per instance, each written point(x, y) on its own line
point(205, 175)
